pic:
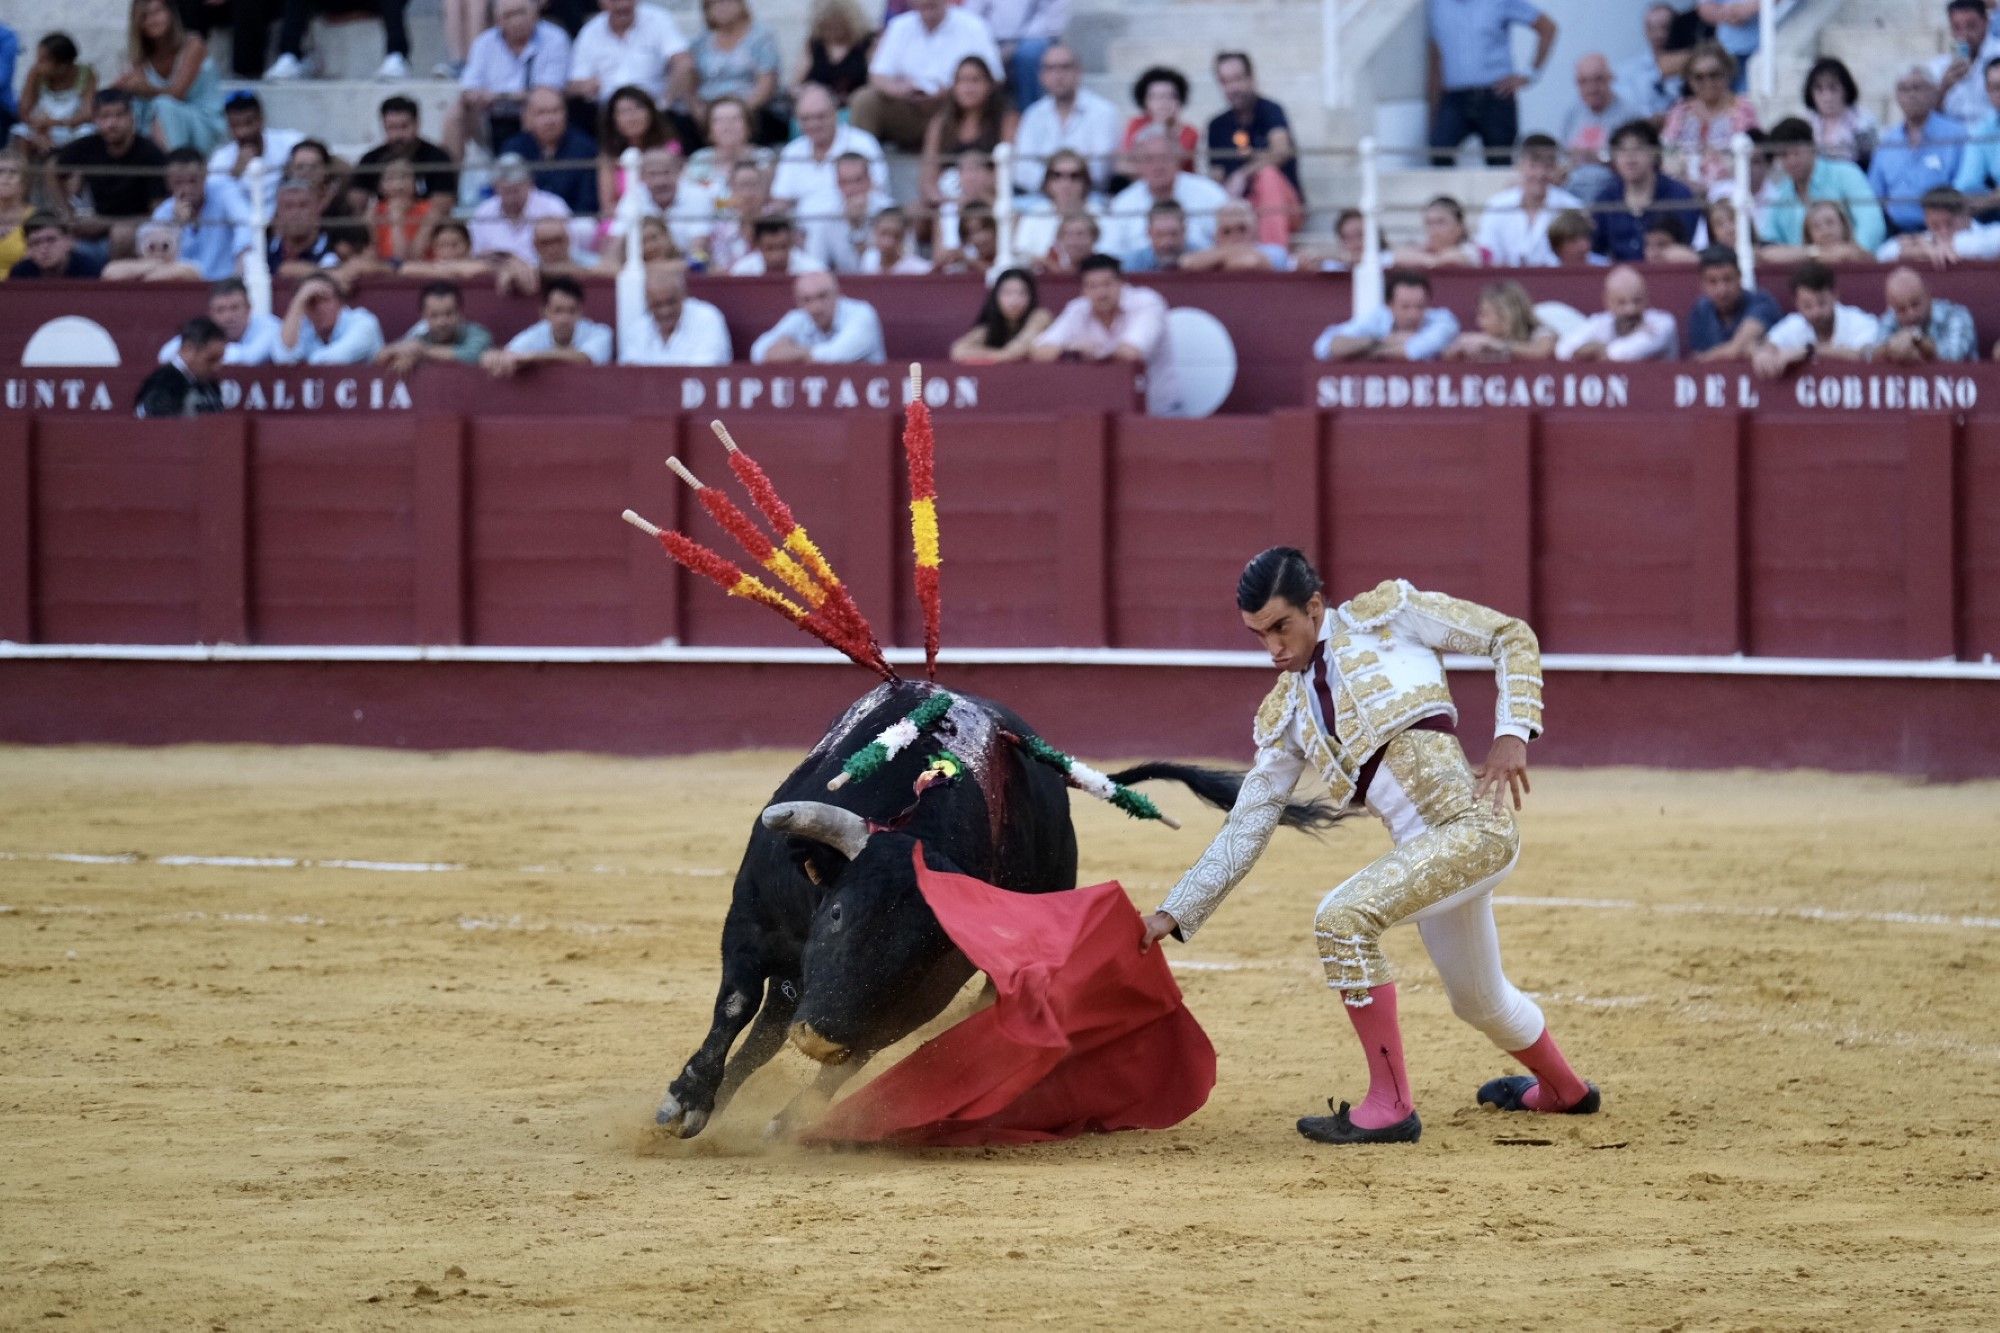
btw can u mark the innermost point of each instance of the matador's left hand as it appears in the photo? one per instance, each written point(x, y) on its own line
point(1504, 773)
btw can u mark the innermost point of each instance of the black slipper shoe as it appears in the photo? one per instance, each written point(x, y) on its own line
point(1506, 1094)
point(1338, 1128)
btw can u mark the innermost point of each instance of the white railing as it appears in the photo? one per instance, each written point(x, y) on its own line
point(1367, 283)
point(630, 291)
point(1746, 204)
point(257, 264)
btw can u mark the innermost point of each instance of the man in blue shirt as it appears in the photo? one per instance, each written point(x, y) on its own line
point(1251, 141)
point(1472, 81)
point(214, 217)
point(1799, 176)
point(547, 137)
point(1637, 194)
point(1920, 153)
point(1978, 177)
point(1727, 322)
point(825, 326)
point(1407, 328)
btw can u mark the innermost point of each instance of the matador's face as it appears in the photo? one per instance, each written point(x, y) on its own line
point(1287, 631)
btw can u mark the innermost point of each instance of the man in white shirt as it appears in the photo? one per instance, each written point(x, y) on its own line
point(1115, 321)
point(505, 224)
point(250, 141)
point(1949, 234)
point(1160, 178)
point(1068, 115)
point(839, 223)
point(521, 52)
point(688, 208)
point(825, 326)
point(1820, 327)
point(774, 250)
point(562, 337)
point(1626, 329)
point(1961, 72)
point(675, 329)
point(630, 43)
point(1514, 227)
point(913, 66)
point(805, 165)
point(1024, 30)
point(252, 338)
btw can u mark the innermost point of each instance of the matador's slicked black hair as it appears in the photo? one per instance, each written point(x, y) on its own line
point(1282, 571)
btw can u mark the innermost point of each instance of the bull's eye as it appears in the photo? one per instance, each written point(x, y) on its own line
point(833, 915)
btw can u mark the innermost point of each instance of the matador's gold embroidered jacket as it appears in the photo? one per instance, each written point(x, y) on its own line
point(1385, 650)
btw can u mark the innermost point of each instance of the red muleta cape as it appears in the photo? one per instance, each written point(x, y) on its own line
point(1087, 1034)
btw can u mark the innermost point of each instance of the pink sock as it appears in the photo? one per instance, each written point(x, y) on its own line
point(1388, 1099)
point(1556, 1084)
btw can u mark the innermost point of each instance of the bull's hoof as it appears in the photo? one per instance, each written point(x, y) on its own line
point(683, 1122)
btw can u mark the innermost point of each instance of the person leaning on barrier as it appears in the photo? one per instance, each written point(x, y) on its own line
point(824, 327)
point(185, 385)
point(1114, 320)
point(442, 334)
point(1405, 327)
point(1918, 328)
point(251, 338)
point(322, 329)
point(1727, 321)
point(1627, 329)
point(675, 329)
point(1508, 329)
point(1819, 327)
point(1949, 234)
point(1008, 323)
point(562, 337)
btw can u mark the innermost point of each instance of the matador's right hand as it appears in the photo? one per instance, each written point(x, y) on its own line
point(1158, 926)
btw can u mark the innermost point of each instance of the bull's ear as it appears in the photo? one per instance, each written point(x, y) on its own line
point(842, 830)
point(817, 862)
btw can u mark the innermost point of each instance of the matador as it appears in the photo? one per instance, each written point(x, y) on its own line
point(1361, 698)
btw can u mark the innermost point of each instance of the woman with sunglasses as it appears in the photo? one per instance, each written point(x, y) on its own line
point(1065, 190)
point(1698, 130)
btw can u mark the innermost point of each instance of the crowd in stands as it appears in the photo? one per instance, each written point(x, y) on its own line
point(751, 163)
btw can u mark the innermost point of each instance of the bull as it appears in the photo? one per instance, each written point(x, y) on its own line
point(828, 940)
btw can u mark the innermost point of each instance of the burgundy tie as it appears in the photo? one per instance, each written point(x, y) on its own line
point(1320, 688)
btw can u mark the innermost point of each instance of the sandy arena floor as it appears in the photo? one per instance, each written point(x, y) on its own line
point(325, 1095)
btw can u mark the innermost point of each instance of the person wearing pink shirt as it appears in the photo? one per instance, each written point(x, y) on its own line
point(1114, 321)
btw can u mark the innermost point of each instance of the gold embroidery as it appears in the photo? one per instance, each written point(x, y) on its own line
point(1359, 662)
point(1402, 709)
point(1271, 714)
point(1376, 605)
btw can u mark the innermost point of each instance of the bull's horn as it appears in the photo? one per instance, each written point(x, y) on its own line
point(842, 830)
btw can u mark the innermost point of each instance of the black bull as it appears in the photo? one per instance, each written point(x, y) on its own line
point(828, 938)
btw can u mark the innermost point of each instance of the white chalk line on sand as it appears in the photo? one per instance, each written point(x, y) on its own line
point(1823, 915)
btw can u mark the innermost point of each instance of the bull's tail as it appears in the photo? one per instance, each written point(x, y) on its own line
point(1219, 786)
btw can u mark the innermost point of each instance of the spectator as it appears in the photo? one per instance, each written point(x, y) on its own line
point(1844, 130)
point(688, 209)
point(1587, 125)
point(736, 216)
point(1720, 219)
point(1236, 248)
point(505, 224)
point(656, 246)
point(1161, 95)
point(1350, 245)
point(1250, 151)
point(1920, 153)
point(437, 174)
point(774, 250)
point(158, 258)
point(1728, 322)
point(251, 141)
point(728, 144)
point(826, 327)
point(1829, 238)
point(441, 333)
point(1639, 192)
point(914, 65)
point(450, 257)
point(976, 246)
point(14, 210)
point(1508, 329)
point(677, 329)
point(52, 252)
point(1472, 82)
point(1026, 30)
point(805, 165)
point(975, 117)
point(1513, 229)
point(1007, 325)
point(1918, 328)
point(1737, 30)
point(1445, 238)
point(311, 163)
point(1802, 174)
point(738, 58)
point(1651, 80)
point(1160, 177)
point(1979, 164)
point(464, 20)
point(630, 45)
point(521, 52)
point(1960, 73)
point(840, 226)
point(401, 222)
point(186, 384)
point(1113, 320)
point(1666, 243)
point(252, 339)
point(57, 101)
point(555, 257)
point(1625, 330)
point(630, 119)
point(214, 217)
point(1065, 190)
point(890, 253)
point(1700, 126)
point(1571, 237)
point(561, 337)
point(1949, 234)
point(557, 153)
point(1066, 116)
point(298, 242)
point(839, 43)
point(176, 97)
point(112, 174)
point(1407, 327)
point(973, 181)
point(1166, 240)
point(322, 329)
point(297, 14)
point(1077, 236)
point(1820, 325)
